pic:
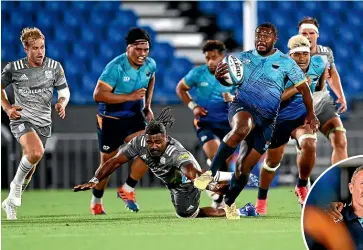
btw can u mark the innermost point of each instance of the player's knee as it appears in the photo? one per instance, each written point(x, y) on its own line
point(271, 165)
point(240, 132)
point(35, 155)
point(308, 144)
point(339, 142)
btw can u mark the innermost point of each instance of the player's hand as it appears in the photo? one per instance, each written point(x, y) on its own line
point(13, 112)
point(312, 121)
point(219, 188)
point(228, 97)
point(221, 70)
point(199, 111)
point(334, 210)
point(60, 110)
point(84, 187)
point(138, 94)
point(148, 113)
point(343, 105)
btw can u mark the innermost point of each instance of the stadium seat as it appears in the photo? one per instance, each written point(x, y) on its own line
point(29, 6)
point(209, 7)
point(181, 66)
point(58, 6)
point(228, 21)
point(75, 18)
point(108, 6)
point(74, 66)
point(109, 49)
point(82, 5)
point(126, 19)
point(162, 52)
point(234, 6)
point(83, 50)
point(98, 64)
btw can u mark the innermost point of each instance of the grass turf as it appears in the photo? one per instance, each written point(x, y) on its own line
point(60, 220)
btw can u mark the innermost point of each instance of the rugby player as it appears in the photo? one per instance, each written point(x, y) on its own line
point(33, 78)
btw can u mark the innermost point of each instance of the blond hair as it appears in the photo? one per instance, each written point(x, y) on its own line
point(29, 35)
point(298, 41)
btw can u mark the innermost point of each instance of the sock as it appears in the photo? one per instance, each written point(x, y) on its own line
point(235, 188)
point(97, 196)
point(24, 167)
point(25, 184)
point(223, 176)
point(302, 183)
point(130, 184)
point(224, 151)
point(262, 193)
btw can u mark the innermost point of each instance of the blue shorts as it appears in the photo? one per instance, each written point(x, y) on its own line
point(113, 132)
point(283, 130)
point(260, 137)
point(207, 131)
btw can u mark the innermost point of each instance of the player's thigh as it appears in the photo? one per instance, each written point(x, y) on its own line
point(210, 148)
point(326, 111)
point(330, 125)
point(110, 133)
point(275, 155)
point(186, 201)
point(28, 138)
point(240, 117)
point(134, 126)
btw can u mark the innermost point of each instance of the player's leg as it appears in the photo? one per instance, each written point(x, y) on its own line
point(335, 132)
point(33, 149)
point(267, 173)
point(305, 159)
point(332, 127)
point(242, 123)
point(109, 132)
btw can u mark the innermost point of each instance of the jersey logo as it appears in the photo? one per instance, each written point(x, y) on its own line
point(204, 84)
point(162, 160)
point(190, 207)
point(48, 74)
point(144, 157)
point(126, 78)
point(204, 137)
point(184, 156)
point(105, 147)
point(148, 74)
point(23, 78)
point(275, 66)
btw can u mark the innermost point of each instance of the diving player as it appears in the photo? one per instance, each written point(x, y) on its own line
point(170, 162)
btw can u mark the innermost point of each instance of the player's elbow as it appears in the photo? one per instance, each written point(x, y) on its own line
point(97, 95)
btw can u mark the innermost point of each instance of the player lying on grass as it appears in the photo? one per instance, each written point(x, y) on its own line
point(171, 163)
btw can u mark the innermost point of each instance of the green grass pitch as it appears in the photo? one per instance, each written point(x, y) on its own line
point(60, 220)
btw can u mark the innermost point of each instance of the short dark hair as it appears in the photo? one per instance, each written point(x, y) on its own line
point(268, 25)
point(159, 125)
point(309, 19)
point(214, 45)
point(136, 34)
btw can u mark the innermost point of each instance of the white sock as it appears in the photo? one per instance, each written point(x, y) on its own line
point(128, 188)
point(24, 167)
point(95, 200)
point(223, 176)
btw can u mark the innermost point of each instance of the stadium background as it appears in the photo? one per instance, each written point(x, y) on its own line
point(86, 36)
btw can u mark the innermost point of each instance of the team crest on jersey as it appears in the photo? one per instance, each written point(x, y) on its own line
point(143, 157)
point(48, 74)
point(162, 160)
point(184, 156)
point(126, 78)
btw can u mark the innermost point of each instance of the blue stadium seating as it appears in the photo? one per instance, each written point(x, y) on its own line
point(86, 36)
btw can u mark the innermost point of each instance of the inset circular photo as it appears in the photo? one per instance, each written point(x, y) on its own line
point(333, 214)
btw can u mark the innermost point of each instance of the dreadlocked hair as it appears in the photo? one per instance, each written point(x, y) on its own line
point(159, 125)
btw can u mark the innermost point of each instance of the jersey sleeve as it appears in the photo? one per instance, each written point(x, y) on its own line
point(331, 62)
point(295, 74)
point(152, 65)
point(6, 76)
point(110, 74)
point(191, 78)
point(181, 158)
point(132, 149)
point(60, 78)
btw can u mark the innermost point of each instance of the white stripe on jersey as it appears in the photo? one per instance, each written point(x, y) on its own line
point(172, 150)
point(21, 62)
point(143, 141)
point(15, 66)
point(49, 62)
point(169, 150)
point(53, 64)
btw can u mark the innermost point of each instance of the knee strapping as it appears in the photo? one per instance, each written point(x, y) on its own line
point(306, 136)
point(341, 129)
point(265, 166)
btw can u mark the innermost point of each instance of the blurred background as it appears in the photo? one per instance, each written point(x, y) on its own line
point(84, 36)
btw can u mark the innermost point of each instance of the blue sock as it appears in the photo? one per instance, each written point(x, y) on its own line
point(235, 188)
point(224, 151)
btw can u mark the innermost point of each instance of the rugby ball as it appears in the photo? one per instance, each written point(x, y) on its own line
point(234, 76)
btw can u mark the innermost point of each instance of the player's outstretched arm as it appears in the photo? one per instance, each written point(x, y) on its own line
point(104, 171)
point(103, 93)
point(148, 98)
point(308, 101)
